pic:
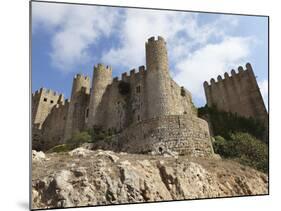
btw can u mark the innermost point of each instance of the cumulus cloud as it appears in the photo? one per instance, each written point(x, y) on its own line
point(74, 28)
point(263, 85)
point(210, 61)
point(197, 50)
point(181, 31)
point(200, 46)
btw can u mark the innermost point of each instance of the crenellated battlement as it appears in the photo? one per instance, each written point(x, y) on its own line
point(148, 93)
point(133, 73)
point(237, 92)
point(62, 105)
point(80, 81)
point(233, 74)
point(153, 40)
point(81, 77)
point(46, 92)
point(102, 67)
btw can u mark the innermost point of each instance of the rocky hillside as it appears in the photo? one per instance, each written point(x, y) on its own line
point(84, 177)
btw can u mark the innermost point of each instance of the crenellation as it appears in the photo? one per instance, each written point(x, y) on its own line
point(132, 72)
point(151, 39)
point(149, 111)
point(115, 79)
point(226, 76)
point(142, 69)
point(240, 69)
point(206, 84)
point(239, 94)
point(219, 78)
point(234, 74)
point(124, 76)
point(102, 67)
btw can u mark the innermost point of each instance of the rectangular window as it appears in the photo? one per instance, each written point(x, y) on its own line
point(45, 99)
point(138, 89)
point(52, 101)
point(138, 117)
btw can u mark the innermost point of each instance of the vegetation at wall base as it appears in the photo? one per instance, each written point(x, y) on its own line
point(244, 148)
point(60, 148)
point(225, 123)
point(237, 138)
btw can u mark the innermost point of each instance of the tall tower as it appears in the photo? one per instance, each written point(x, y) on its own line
point(158, 81)
point(43, 101)
point(102, 77)
point(77, 111)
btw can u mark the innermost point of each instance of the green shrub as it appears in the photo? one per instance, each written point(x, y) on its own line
point(60, 148)
point(79, 138)
point(98, 134)
point(225, 123)
point(244, 148)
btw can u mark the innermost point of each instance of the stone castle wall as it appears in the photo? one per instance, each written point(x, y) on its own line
point(238, 93)
point(54, 126)
point(152, 92)
point(118, 111)
point(78, 110)
point(183, 134)
point(43, 101)
point(149, 110)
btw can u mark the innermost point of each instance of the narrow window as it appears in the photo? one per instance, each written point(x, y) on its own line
point(138, 117)
point(87, 113)
point(138, 89)
point(52, 101)
point(45, 99)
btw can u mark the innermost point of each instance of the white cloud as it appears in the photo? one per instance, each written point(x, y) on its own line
point(199, 49)
point(74, 28)
point(210, 61)
point(181, 31)
point(194, 54)
point(263, 85)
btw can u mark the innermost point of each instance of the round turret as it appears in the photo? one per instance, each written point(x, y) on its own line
point(158, 80)
point(80, 81)
point(156, 54)
point(102, 77)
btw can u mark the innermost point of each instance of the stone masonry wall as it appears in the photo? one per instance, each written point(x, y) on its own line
point(238, 93)
point(54, 126)
point(43, 101)
point(152, 92)
point(153, 114)
point(119, 111)
point(78, 107)
point(102, 77)
point(183, 134)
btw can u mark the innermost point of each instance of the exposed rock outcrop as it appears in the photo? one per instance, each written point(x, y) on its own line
point(83, 177)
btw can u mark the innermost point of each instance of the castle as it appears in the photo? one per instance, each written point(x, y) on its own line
point(148, 110)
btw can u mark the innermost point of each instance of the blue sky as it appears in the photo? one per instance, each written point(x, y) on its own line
point(70, 39)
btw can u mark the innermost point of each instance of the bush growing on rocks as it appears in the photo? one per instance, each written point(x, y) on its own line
point(225, 123)
point(79, 138)
point(98, 134)
point(60, 148)
point(244, 148)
